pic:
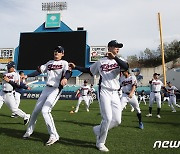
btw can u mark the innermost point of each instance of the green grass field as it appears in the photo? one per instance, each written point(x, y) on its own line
point(76, 135)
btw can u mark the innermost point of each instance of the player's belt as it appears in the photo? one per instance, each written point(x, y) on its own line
point(155, 91)
point(7, 91)
point(84, 95)
point(49, 85)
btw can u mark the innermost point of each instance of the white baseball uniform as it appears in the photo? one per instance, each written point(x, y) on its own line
point(84, 90)
point(165, 96)
point(7, 94)
point(49, 96)
point(108, 97)
point(142, 97)
point(172, 97)
point(155, 94)
point(127, 84)
point(17, 94)
point(90, 95)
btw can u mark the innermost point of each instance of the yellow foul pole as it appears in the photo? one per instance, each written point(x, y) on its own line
point(162, 49)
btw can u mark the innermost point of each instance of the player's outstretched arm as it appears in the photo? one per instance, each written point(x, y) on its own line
point(24, 86)
point(35, 73)
point(82, 69)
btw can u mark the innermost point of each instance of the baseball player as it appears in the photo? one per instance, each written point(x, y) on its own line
point(138, 75)
point(83, 95)
point(57, 75)
point(91, 93)
point(18, 91)
point(155, 95)
point(128, 84)
point(121, 93)
point(142, 97)
point(108, 68)
point(165, 96)
point(172, 97)
point(11, 80)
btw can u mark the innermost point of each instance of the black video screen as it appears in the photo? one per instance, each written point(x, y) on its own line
point(37, 48)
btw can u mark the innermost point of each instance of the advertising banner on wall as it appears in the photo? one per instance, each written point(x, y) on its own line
point(29, 94)
point(6, 55)
point(97, 52)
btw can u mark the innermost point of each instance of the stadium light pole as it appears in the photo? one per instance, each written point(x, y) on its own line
point(162, 48)
point(54, 6)
point(54, 15)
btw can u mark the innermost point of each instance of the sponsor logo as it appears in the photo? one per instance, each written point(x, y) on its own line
point(37, 95)
point(166, 144)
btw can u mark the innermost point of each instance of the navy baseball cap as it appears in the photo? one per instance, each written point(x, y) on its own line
point(169, 82)
point(136, 70)
point(85, 81)
point(59, 49)
point(114, 43)
point(156, 74)
point(10, 64)
point(124, 70)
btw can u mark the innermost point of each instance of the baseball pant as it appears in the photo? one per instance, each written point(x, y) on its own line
point(45, 103)
point(111, 112)
point(1, 102)
point(86, 100)
point(172, 101)
point(132, 101)
point(153, 97)
point(10, 101)
point(165, 99)
point(142, 98)
point(90, 100)
point(17, 98)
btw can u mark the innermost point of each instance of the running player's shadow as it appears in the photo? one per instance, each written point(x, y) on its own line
point(42, 137)
point(19, 134)
point(80, 123)
point(4, 115)
point(75, 142)
point(161, 123)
